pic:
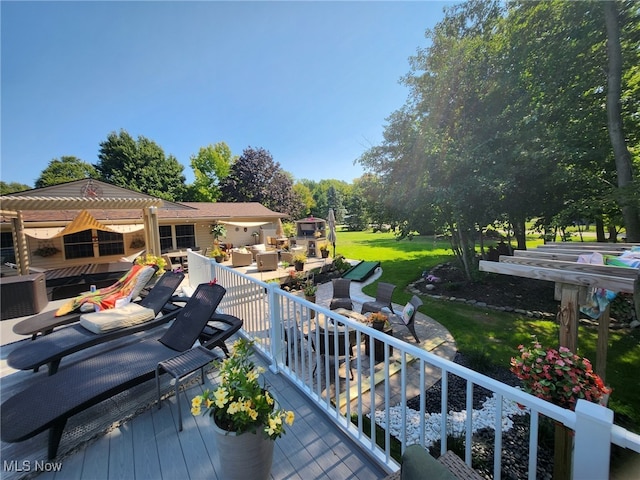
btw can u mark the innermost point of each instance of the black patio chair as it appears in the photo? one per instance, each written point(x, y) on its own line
point(341, 294)
point(383, 299)
point(52, 348)
point(408, 316)
point(49, 402)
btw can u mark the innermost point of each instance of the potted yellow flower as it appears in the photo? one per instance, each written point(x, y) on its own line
point(245, 415)
point(379, 320)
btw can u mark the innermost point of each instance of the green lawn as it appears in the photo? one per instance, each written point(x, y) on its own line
point(487, 334)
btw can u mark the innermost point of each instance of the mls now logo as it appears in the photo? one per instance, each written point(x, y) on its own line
point(31, 466)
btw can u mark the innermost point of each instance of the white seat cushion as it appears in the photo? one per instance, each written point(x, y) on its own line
point(127, 316)
point(407, 312)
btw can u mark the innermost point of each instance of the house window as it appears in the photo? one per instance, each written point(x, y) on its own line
point(166, 240)
point(110, 243)
point(185, 236)
point(78, 245)
point(6, 245)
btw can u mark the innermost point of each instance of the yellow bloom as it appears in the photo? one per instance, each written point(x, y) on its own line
point(268, 397)
point(289, 417)
point(221, 397)
point(252, 376)
point(195, 410)
point(197, 401)
point(253, 414)
point(209, 403)
point(234, 407)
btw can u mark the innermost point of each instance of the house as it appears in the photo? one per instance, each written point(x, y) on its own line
point(89, 220)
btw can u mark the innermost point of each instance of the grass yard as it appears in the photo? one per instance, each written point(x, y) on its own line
point(490, 335)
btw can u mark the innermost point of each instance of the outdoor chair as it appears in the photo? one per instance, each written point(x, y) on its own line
point(408, 316)
point(341, 294)
point(240, 259)
point(286, 257)
point(45, 322)
point(49, 402)
point(383, 299)
point(267, 261)
point(52, 348)
point(170, 265)
point(317, 338)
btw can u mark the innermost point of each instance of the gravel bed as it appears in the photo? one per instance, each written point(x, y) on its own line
point(515, 437)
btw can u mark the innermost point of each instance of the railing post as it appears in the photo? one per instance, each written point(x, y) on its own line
point(592, 447)
point(278, 346)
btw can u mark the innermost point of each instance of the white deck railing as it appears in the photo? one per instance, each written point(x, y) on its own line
point(287, 330)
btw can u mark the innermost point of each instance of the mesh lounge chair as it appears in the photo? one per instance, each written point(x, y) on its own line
point(341, 294)
point(88, 382)
point(51, 349)
point(383, 299)
point(45, 322)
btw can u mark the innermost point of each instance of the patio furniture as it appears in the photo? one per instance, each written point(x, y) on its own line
point(241, 259)
point(49, 402)
point(417, 463)
point(51, 349)
point(22, 295)
point(341, 294)
point(170, 263)
point(182, 365)
point(286, 257)
point(267, 261)
point(383, 299)
point(45, 322)
point(330, 348)
point(408, 316)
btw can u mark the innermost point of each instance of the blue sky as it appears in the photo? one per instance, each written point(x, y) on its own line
point(311, 82)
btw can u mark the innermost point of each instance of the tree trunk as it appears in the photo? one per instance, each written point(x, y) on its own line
point(600, 229)
point(519, 231)
point(614, 113)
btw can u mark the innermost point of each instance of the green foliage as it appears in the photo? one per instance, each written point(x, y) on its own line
point(12, 187)
point(256, 177)
point(495, 334)
point(66, 169)
point(210, 166)
point(140, 165)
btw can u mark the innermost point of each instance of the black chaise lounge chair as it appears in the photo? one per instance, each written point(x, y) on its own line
point(51, 349)
point(50, 402)
point(44, 323)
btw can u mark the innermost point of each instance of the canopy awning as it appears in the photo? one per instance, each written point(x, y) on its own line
point(243, 224)
point(127, 228)
point(84, 221)
point(43, 233)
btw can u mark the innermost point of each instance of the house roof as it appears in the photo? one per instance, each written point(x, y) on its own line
point(192, 211)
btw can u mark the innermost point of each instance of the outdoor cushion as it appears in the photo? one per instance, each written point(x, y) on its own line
point(129, 285)
point(407, 313)
point(127, 316)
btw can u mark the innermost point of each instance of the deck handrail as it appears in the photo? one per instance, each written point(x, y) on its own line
point(272, 315)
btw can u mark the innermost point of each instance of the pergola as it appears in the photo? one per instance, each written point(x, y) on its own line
point(84, 194)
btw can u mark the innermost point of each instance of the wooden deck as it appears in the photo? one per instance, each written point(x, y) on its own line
point(149, 446)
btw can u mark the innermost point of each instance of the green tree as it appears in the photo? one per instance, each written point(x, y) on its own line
point(306, 198)
point(256, 177)
point(65, 169)
point(630, 206)
point(140, 165)
point(210, 166)
point(12, 187)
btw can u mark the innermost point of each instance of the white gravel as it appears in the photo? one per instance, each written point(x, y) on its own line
point(483, 418)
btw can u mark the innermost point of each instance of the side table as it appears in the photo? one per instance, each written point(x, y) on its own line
point(182, 365)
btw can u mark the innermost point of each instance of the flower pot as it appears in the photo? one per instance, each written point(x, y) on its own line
point(244, 456)
point(312, 299)
point(324, 253)
point(299, 266)
point(219, 259)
